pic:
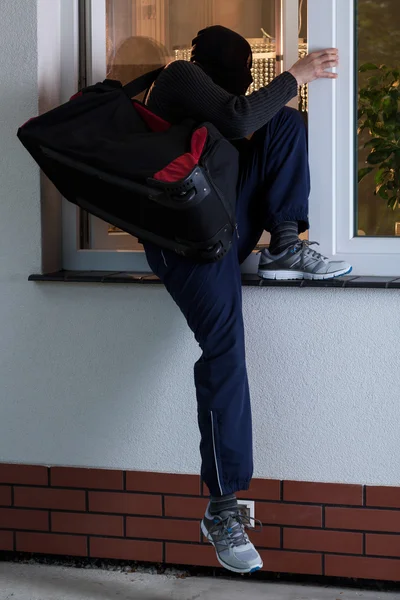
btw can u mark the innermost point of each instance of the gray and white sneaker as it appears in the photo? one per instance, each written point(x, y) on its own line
point(227, 533)
point(300, 262)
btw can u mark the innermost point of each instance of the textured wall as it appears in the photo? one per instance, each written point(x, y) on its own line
point(19, 189)
point(102, 376)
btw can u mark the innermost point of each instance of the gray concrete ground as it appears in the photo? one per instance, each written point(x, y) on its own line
point(42, 582)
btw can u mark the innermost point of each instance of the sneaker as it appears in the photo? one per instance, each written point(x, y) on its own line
point(300, 262)
point(227, 533)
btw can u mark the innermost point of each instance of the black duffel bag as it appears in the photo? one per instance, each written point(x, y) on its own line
point(172, 185)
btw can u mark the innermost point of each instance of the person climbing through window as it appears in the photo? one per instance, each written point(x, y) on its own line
point(273, 191)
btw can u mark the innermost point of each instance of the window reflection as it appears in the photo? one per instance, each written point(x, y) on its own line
point(145, 34)
point(378, 26)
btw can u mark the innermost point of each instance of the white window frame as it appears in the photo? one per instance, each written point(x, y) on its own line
point(332, 153)
point(74, 258)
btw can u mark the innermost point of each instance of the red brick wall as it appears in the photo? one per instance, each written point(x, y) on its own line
point(309, 528)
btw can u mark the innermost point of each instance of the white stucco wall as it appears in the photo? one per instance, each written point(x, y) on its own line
point(102, 375)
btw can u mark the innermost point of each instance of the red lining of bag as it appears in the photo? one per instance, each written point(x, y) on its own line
point(156, 124)
point(182, 167)
point(77, 95)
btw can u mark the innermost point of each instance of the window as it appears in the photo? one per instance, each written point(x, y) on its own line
point(350, 220)
point(378, 28)
point(122, 39)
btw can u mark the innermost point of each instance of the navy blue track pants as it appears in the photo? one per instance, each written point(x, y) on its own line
point(273, 187)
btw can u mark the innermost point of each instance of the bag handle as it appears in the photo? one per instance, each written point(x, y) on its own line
point(142, 83)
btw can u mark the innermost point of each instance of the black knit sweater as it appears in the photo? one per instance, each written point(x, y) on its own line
point(184, 90)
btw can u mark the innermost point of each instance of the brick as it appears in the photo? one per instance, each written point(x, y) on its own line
point(23, 474)
point(49, 498)
point(206, 491)
point(5, 495)
point(289, 514)
point(362, 568)
point(262, 489)
point(103, 479)
point(382, 545)
point(362, 519)
point(269, 537)
point(6, 541)
point(125, 503)
point(50, 543)
point(185, 508)
point(163, 529)
point(163, 483)
point(13, 518)
point(126, 549)
point(323, 493)
point(277, 561)
point(383, 497)
point(89, 524)
point(323, 541)
point(191, 554)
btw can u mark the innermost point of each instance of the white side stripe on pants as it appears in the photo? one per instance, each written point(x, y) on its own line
point(215, 453)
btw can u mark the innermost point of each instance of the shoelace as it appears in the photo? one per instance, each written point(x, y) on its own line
point(234, 526)
point(303, 246)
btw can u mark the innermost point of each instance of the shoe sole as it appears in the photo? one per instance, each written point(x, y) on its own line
point(296, 275)
point(221, 562)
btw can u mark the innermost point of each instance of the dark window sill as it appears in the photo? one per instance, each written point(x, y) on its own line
point(247, 280)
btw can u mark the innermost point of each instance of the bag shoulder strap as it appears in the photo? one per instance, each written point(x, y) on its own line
point(142, 83)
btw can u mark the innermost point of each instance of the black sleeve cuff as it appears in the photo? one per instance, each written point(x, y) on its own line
point(291, 83)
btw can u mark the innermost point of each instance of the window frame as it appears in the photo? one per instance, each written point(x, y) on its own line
point(332, 127)
point(87, 52)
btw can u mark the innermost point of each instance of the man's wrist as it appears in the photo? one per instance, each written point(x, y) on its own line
point(293, 74)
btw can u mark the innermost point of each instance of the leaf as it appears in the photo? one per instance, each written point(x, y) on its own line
point(390, 123)
point(364, 172)
point(368, 67)
point(379, 130)
point(388, 105)
point(373, 81)
point(383, 193)
point(375, 142)
point(376, 103)
point(379, 156)
point(380, 176)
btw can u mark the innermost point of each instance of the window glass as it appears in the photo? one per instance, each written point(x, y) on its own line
point(142, 35)
point(378, 133)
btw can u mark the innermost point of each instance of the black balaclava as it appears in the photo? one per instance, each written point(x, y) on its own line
point(224, 56)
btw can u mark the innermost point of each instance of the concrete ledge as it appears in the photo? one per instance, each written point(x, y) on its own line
point(248, 280)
